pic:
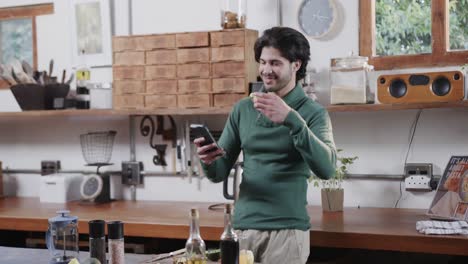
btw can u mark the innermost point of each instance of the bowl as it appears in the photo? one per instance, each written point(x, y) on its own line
point(38, 97)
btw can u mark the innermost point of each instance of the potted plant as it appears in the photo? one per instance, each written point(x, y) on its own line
point(332, 192)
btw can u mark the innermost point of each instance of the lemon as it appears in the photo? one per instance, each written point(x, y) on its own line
point(74, 261)
point(246, 257)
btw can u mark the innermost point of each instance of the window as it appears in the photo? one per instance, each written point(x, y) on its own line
point(18, 33)
point(413, 33)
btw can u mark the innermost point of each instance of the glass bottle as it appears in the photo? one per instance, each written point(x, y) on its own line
point(233, 14)
point(115, 231)
point(97, 240)
point(229, 242)
point(195, 246)
point(83, 75)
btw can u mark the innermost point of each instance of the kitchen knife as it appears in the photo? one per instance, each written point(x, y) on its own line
point(165, 256)
point(51, 67)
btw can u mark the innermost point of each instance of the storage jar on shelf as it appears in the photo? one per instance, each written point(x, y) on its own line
point(349, 81)
point(233, 13)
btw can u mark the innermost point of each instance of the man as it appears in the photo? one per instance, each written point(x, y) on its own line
point(283, 135)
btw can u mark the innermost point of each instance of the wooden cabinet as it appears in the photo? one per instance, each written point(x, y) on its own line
point(192, 70)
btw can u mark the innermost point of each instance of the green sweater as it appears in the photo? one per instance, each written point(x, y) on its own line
point(277, 161)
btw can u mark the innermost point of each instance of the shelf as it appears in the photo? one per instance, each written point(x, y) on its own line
point(223, 111)
point(391, 107)
point(111, 112)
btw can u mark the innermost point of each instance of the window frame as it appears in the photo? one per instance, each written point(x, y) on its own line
point(441, 54)
point(23, 12)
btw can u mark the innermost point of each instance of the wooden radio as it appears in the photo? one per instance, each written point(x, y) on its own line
point(421, 87)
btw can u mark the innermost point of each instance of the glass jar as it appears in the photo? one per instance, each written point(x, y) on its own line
point(349, 83)
point(62, 238)
point(233, 13)
point(309, 82)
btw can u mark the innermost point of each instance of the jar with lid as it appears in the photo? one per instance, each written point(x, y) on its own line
point(349, 81)
point(233, 13)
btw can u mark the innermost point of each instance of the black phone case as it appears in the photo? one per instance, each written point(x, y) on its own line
point(202, 131)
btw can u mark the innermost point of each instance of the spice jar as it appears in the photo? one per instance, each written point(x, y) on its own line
point(233, 14)
point(97, 240)
point(349, 80)
point(115, 231)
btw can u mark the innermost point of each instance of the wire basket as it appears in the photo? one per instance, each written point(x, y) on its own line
point(97, 147)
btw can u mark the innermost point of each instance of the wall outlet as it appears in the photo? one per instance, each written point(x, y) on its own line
point(132, 172)
point(50, 167)
point(418, 176)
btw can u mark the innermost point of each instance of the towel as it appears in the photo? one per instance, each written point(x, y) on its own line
point(442, 227)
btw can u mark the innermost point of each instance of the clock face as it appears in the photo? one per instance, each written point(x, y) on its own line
point(316, 17)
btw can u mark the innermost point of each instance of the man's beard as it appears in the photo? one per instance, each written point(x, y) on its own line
point(279, 82)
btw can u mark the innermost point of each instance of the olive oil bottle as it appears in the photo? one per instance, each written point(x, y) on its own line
point(195, 249)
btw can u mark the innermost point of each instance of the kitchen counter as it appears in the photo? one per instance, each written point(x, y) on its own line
point(361, 228)
point(11, 255)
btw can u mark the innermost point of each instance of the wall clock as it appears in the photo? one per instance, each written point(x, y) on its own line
point(317, 17)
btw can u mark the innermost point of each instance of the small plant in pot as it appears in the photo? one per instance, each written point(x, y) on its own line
point(332, 192)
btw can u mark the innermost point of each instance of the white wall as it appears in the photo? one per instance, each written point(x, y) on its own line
point(380, 139)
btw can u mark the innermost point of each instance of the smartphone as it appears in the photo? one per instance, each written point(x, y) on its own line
point(200, 130)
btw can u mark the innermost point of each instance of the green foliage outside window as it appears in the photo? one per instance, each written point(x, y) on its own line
point(404, 26)
point(458, 24)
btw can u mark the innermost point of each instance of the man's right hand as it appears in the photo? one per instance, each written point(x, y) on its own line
point(206, 154)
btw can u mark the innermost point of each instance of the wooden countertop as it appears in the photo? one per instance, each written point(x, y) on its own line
point(364, 228)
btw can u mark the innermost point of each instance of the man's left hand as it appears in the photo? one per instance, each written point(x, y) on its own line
point(272, 106)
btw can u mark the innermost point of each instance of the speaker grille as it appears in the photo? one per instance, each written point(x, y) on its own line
point(441, 86)
point(398, 88)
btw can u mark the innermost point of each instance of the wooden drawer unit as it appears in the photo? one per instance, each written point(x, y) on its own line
point(192, 39)
point(229, 85)
point(228, 69)
point(228, 54)
point(128, 72)
point(129, 101)
point(194, 70)
point(227, 38)
point(153, 72)
point(193, 100)
point(129, 58)
point(161, 57)
point(193, 55)
point(129, 87)
point(161, 87)
point(186, 70)
point(194, 86)
point(151, 42)
point(224, 100)
point(161, 101)
point(123, 43)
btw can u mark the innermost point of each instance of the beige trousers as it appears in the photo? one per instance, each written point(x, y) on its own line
point(286, 246)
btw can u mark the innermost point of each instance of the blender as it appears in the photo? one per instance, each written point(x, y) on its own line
point(62, 238)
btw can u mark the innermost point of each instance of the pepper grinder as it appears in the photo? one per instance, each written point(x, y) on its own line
point(97, 240)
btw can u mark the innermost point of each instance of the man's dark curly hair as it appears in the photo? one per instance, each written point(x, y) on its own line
point(291, 44)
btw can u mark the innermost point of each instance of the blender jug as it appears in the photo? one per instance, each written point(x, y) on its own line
point(62, 238)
